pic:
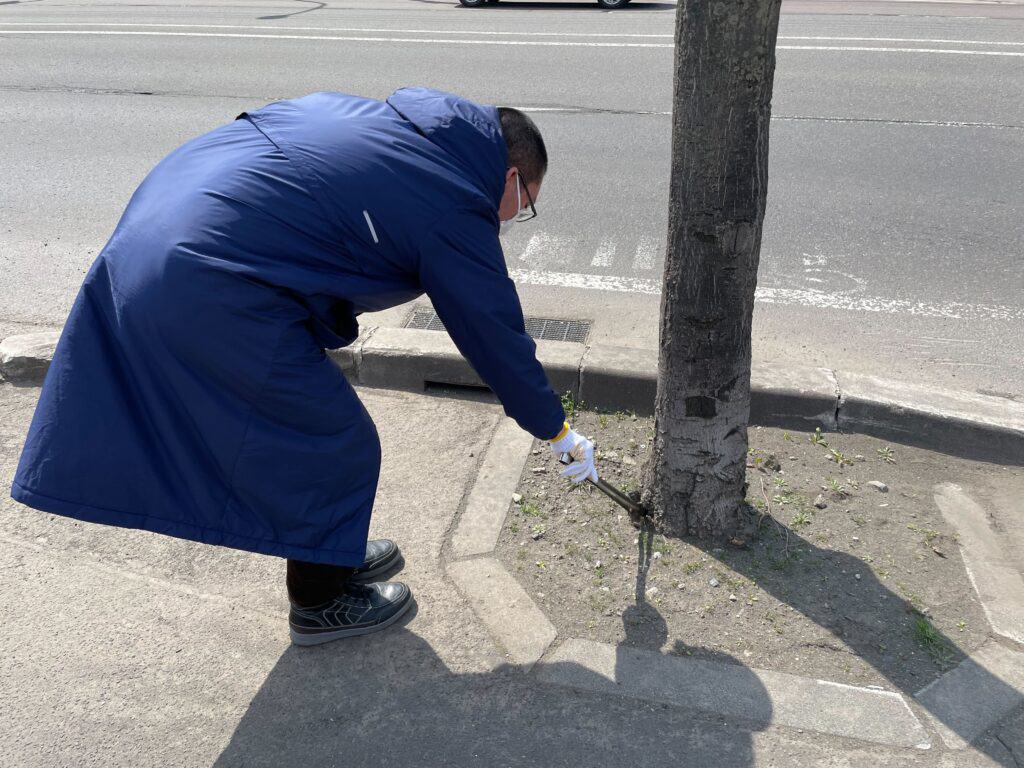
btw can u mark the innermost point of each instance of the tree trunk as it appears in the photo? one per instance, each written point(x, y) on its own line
point(694, 480)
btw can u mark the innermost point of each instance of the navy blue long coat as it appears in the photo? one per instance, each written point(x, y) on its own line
point(190, 393)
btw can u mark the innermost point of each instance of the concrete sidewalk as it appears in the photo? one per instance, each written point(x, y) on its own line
point(123, 648)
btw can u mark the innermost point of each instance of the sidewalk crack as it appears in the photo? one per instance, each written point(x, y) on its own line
point(839, 397)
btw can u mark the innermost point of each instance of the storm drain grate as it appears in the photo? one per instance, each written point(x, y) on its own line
point(545, 328)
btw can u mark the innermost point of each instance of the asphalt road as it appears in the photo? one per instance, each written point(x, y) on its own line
point(893, 243)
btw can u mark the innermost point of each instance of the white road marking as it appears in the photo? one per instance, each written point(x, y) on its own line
point(791, 118)
point(782, 296)
point(500, 33)
point(451, 41)
point(646, 252)
point(605, 253)
point(879, 49)
point(901, 40)
point(542, 246)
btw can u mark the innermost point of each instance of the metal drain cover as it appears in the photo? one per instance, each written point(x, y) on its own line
point(548, 329)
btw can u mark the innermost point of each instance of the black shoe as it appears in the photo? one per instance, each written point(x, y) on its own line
point(359, 610)
point(382, 556)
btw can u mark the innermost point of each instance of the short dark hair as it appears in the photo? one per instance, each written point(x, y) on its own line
point(526, 150)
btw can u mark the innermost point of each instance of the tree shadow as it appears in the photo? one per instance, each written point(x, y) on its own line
point(860, 630)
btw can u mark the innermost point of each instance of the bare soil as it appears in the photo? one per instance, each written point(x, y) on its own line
point(868, 589)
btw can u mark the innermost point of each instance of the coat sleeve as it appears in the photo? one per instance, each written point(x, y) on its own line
point(462, 269)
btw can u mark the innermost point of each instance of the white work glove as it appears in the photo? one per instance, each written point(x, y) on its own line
point(580, 449)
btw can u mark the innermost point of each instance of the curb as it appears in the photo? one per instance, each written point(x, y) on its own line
point(608, 377)
point(960, 706)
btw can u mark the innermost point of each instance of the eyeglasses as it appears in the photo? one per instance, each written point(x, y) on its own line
point(524, 214)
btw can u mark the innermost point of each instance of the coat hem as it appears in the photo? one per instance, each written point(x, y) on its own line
point(179, 530)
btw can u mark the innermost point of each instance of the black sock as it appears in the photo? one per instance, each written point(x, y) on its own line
point(312, 584)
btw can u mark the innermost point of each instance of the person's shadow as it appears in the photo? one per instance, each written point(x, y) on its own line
point(389, 700)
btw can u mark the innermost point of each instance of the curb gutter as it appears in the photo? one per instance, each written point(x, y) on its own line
point(625, 378)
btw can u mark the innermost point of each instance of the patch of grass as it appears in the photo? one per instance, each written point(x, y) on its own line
point(530, 509)
point(513, 527)
point(801, 519)
point(783, 564)
point(569, 405)
point(693, 567)
point(772, 619)
point(660, 545)
point(929, 534)
point(602, 419)
point(932, 641)
point(837, 488)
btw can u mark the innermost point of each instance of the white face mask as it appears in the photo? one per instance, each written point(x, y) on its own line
point(505, 226)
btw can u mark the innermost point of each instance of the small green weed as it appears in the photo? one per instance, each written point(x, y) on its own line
point(693, 567)
point(839, 457)
point(818, 439)
point(569, 405)
point(931, 640)
point(886, 455)
point(837, 488)
point(530, 509)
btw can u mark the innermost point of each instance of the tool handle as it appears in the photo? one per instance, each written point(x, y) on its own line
point(608, 490)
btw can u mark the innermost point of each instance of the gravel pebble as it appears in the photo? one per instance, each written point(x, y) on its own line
point(879, 486)
point(713, 582)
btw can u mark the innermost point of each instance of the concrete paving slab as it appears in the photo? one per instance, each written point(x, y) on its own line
point(967, 701)
point(423, 481)
point(488, 502)
point(995, 575)
point(504, 607)
point(761, 696)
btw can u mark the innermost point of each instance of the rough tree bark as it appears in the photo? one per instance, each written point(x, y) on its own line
point(694, 480)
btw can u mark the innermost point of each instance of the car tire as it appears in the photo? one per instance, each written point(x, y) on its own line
point(473, 3)
point(610, 4)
